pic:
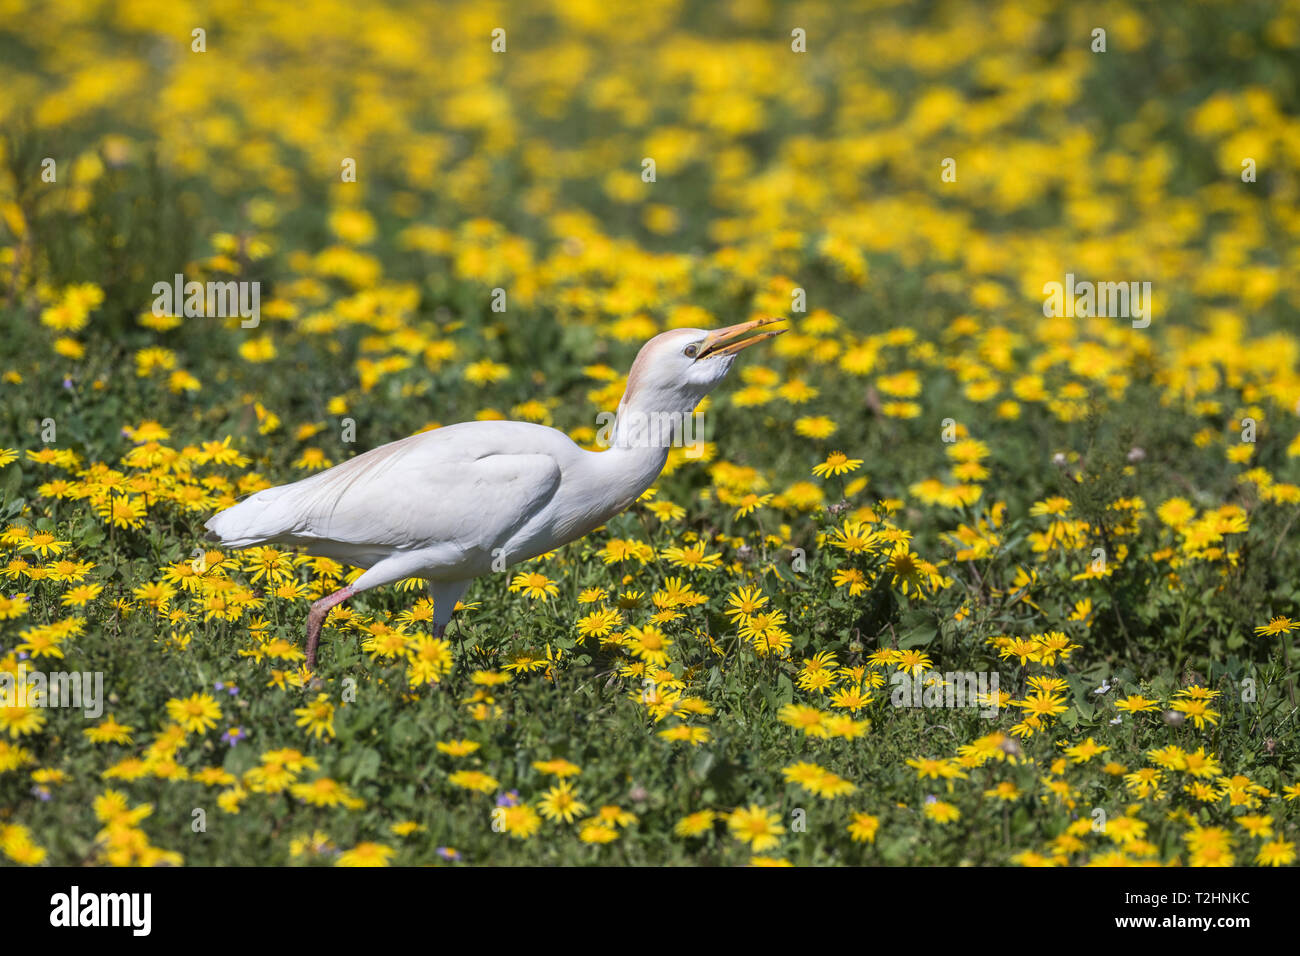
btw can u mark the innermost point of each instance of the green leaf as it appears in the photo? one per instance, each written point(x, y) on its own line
point(784, 689)
point(918, 636)
point(13, 482)
point(367, 767)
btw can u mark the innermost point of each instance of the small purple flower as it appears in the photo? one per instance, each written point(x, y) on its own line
point(41, 794)
point(22, 655)
point(931, 798)
point(234, 735)
point(218, 685)
point(447, 853)
point(67, 383)
point(508, 799)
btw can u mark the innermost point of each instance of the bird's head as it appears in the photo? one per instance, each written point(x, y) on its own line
point(676, 369)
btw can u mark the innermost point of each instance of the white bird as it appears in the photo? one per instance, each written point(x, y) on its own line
point(451, 504)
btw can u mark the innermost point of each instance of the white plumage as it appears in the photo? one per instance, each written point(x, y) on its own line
point(454, 503)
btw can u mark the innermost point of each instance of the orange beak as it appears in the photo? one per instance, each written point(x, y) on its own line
point(730, 340)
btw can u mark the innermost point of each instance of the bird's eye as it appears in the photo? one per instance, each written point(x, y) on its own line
point(691, 351)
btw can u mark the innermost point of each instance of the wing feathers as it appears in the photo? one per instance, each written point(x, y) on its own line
point(464, 489)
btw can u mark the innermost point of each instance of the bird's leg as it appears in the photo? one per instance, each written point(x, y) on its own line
point(440, 631)
point(316, 620)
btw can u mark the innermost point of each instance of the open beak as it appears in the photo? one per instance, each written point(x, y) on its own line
point(731, 340)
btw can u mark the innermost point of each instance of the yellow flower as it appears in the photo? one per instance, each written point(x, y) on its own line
point(815, 427)
point(534, 585)
point(837, 463)
point(312, 459)
point(367, 854)
point(457, 748)
point(109, 730)
point(1276, 853)
point(863, 828)
point(941, 812)
point(17, 844)
point(558, 767)
point(520, 821)
point(197, 713)
point(756, 826)
point(473, 780)
point(258, 350)
point(1278, 625)
point(324, 792)
point(695, 824)
point(317, 717)
point(12, 607)
point(561, 802)
point(486, 372)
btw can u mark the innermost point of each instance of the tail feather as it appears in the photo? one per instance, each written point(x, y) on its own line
point(256, 520)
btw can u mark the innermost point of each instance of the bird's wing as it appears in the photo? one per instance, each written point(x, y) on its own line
point(468, 487)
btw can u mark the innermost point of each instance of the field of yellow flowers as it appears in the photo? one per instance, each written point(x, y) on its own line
point(937, 480)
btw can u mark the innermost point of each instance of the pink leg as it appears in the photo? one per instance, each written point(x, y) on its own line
point(316, 619)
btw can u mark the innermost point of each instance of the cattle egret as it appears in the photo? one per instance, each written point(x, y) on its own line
point(451, 504)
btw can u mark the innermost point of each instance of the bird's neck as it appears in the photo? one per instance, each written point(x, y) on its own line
point(639, 442)
point(655, 422)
